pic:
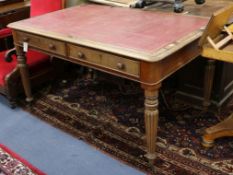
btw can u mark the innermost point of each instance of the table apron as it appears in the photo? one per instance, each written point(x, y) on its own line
point(146, 73)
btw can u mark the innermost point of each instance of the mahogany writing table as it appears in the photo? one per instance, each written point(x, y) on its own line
point(138, 45)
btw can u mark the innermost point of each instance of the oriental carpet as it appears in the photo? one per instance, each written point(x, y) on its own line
point(108, 113)
point(13, 164)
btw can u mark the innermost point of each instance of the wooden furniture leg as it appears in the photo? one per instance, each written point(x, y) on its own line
point(216, 46)
point(208, 83)
point(151, 116)
point(23, 68)
point(222, 129)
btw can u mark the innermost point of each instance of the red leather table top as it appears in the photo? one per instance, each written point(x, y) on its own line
point(134, 29)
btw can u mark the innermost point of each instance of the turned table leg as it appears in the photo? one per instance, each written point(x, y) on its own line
point(23, 68)
point(151, 116)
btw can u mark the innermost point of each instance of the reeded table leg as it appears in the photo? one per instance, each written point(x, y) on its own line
point(23, 68)
point(151, 116)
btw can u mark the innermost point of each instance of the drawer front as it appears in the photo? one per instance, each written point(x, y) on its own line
point(46, 44)
point(105, 60)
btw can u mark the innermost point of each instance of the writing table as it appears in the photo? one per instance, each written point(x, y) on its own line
point(138, 45)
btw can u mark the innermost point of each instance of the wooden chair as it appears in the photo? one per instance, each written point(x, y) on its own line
point(39, 63)
point(217, 44)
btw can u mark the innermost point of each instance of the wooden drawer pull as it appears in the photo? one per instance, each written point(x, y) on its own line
point(120, 66)
point(25, 39)
point(81, 55)
point(52, 47)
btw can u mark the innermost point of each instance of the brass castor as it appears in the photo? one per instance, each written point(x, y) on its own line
point(207, 143)
point(222, 129)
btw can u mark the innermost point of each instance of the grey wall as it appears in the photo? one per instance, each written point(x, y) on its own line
point(73, 2)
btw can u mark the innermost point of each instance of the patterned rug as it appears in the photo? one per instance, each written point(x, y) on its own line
point(13, 164)
point(108, 113)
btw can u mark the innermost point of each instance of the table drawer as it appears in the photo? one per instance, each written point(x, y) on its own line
point(105, 60)
point(46, 44)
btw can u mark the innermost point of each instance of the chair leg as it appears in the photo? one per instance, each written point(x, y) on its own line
point(12, 103)
point(12, 87)
point(11, 100)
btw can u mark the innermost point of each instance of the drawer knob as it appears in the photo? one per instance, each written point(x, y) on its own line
point(81, 55)
point(52, 47)
point(120, 66)
point(25, 39)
